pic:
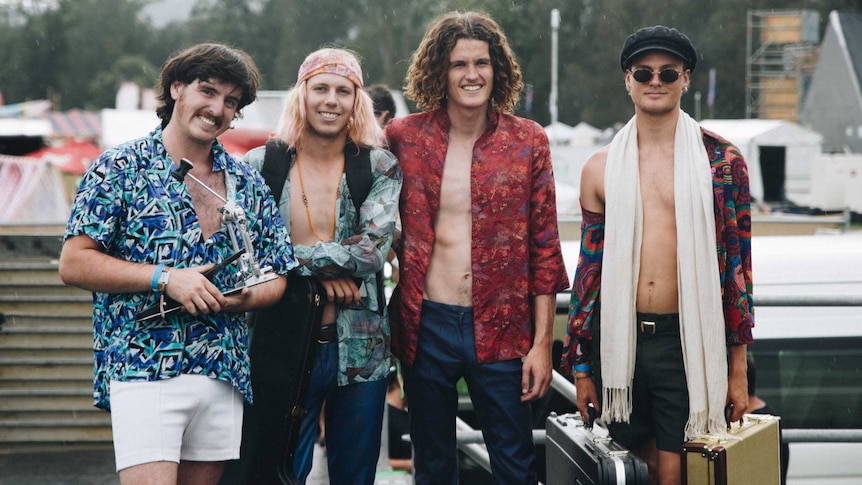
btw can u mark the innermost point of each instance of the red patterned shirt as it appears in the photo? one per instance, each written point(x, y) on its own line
point(515, 245)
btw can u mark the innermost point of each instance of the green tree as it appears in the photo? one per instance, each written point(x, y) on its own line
point(75, 51)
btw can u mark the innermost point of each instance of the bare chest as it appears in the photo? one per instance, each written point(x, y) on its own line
point(657, 186)
point(314, 199)
point(455, 183)
point(206, 204)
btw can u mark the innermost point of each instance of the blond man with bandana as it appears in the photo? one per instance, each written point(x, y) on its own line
point(328, 117)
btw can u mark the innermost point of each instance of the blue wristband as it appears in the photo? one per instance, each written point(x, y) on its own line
point(583, 367)
point(156, 274)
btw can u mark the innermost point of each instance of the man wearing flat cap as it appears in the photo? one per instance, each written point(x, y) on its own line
point(328, 127)
point(653, 317)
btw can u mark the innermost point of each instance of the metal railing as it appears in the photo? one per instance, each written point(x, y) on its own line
point(471, 442)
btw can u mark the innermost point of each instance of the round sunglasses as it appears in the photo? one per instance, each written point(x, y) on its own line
point(645, 75)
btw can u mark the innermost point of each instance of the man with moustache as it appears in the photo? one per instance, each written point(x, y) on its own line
point(175, 384)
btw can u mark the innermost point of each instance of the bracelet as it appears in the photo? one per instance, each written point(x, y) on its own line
point(583, 367)
point(158, 272)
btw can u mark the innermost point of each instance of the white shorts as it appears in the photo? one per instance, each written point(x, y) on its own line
point(189, 417)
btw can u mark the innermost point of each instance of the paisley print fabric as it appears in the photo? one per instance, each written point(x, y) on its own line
point(733, 235)
point(515, 246)
point(130, 204)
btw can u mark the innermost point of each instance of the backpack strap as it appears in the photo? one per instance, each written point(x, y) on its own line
point(357, 169)
point(275, 167)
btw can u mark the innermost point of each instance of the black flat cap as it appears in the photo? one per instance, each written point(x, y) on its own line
point(658, 38)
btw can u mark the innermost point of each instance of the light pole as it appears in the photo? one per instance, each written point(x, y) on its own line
point(555, 26)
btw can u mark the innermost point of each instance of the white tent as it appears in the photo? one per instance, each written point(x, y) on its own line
point(752, 136)
point(585, 134)
point(559, 133)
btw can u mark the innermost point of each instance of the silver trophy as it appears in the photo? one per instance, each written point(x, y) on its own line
point(233, 217)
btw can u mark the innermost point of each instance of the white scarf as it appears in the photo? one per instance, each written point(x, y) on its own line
point(701, 314)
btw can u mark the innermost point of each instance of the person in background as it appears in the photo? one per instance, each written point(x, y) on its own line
point(384, 103)
point(480, 252)
point(663, 289)
point(327, 122)
point(175, 384)
point(384, 110)
point(400, 450)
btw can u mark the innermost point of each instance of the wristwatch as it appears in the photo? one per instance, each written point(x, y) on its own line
point(164, 277)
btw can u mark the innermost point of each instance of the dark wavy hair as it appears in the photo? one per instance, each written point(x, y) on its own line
point(427, 76)
point(204, 62)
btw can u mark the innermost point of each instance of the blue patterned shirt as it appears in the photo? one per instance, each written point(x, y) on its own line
point(129, 204)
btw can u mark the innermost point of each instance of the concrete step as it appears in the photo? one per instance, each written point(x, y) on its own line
point(36, 340)
point(35, 321)
point(55, 306)
point(80, 400)
point(48, 355)
point(51, 433)
point(40, 370)
point(56, 384)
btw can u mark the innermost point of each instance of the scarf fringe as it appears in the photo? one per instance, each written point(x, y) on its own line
point(618, 404)
point(699, 427)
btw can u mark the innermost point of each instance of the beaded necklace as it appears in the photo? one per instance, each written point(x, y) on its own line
point(305, 202)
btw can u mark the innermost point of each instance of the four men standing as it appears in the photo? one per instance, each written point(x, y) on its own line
point(480, 260)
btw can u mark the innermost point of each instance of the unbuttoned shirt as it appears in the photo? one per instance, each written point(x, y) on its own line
point(733, 236)
point(515, 244)
point(129, 203)
point(358, 250)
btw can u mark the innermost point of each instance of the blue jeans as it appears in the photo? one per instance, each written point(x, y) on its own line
point(446, 352)
point(353, 418)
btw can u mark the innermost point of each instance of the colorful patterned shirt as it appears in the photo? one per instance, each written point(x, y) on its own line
point(359, 250)
point(515, 243)
point(733, 235)
point(130, 204)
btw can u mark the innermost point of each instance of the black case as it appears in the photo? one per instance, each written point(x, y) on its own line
point(575, 455)
point(283, 344)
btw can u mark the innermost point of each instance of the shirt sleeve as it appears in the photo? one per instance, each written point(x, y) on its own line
point(547, 268)
point(738, 283)
point(584, 305)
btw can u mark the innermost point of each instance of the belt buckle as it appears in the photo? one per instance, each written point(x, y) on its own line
point(647, 327)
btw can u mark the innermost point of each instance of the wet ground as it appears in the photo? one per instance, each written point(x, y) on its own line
point(96, 467)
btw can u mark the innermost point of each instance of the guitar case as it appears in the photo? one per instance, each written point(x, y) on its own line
point(283, 343)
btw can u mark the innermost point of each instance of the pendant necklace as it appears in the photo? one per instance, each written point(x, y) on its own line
point(305, 202)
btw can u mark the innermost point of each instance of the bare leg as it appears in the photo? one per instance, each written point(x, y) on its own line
point(669, 464)
point(155, 473)
point(200, 472)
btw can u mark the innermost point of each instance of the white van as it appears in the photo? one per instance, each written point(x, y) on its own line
point(808, 358)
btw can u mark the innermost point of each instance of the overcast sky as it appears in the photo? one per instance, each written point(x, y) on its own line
point(162, 12)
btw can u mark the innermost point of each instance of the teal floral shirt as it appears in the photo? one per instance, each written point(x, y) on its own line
point(358, 250)
point(130, 204)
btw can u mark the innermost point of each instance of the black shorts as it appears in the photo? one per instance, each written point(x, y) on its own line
point(660, 390)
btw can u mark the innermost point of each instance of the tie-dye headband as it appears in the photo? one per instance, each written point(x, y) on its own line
point(331, 61)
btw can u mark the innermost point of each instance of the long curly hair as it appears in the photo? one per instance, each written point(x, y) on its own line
point(426, 82)
point(204, 62)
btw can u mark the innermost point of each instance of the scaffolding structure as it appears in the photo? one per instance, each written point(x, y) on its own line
point(781, 54)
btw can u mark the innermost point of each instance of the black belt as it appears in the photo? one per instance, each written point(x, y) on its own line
point(327, 334)
point(653, 323)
